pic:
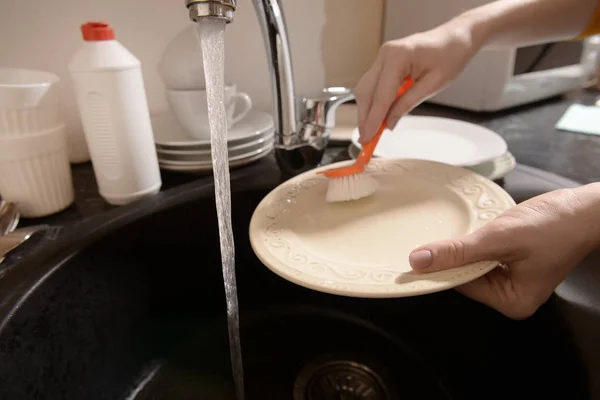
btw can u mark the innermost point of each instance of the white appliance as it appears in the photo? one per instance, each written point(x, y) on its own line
point(495, 79)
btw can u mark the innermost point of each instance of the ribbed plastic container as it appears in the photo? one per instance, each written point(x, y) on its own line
point(114, 112)
point(35, 172)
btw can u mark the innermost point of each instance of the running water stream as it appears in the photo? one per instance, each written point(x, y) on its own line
point(210, 34)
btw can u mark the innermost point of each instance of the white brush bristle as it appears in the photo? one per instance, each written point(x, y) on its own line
point(351, 187)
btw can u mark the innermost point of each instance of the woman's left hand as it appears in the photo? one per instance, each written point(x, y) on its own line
point(538, 242)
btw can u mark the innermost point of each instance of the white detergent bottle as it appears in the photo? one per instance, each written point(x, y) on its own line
point(114, 112)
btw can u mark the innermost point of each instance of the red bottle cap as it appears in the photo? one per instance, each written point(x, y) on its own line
point(94, 31)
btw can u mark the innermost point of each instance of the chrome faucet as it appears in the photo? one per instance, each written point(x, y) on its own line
point(303, 125)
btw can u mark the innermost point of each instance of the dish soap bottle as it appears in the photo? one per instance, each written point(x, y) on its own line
point(114, 113)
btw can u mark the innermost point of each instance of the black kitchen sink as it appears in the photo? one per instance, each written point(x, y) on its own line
point(135, 309)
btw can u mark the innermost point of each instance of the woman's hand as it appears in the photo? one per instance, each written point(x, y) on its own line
point(432, 59)
point(538, 242)
point(436, 57)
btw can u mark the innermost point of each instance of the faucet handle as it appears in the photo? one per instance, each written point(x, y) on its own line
point(319, 109)
point(304, 150)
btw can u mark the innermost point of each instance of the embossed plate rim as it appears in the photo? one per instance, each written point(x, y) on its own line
point(445, 280)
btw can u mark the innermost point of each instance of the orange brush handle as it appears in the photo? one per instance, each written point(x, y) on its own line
point(367, 150)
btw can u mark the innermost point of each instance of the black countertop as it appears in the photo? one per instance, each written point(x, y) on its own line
point(529, 132)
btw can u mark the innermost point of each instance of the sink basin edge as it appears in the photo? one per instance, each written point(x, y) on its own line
point(19, 280)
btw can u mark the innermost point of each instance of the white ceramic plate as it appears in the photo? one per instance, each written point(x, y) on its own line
point(497, 168)
point(201, 166)
point(205, 155)
point(444, 140)
point(264, 137)
point(361, 248)
point(168, 135)
point(494, 169)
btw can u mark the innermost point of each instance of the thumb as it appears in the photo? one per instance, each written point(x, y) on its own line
point(480, 245)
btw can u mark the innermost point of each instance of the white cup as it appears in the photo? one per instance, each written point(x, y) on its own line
point(190, 108)
point(29, 102)
point(35, 172)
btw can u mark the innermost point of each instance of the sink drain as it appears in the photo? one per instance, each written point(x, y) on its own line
point(339, 380)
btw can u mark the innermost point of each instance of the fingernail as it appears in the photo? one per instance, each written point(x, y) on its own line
point(421, 259)
point(391, 122)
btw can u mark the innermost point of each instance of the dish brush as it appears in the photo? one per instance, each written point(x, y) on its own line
point(351, 183)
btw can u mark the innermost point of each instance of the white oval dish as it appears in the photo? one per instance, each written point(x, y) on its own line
point(445, 140)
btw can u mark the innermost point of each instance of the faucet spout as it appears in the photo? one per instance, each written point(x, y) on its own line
point(199, 9)
point(302, 126)
point(273, 27)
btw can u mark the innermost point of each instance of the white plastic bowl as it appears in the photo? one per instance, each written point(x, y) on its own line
point(29, 101)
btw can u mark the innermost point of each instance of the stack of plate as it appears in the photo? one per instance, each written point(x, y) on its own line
point(249, 140)
point(444, 140)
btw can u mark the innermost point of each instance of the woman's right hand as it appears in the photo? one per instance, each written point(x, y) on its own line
point(432, 59)
point(539, 242)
